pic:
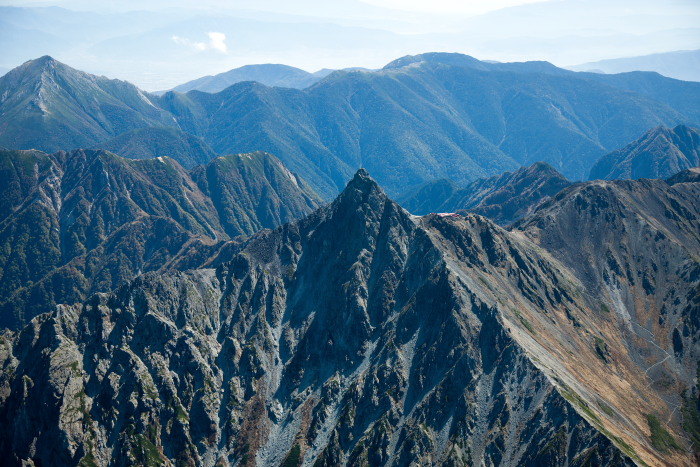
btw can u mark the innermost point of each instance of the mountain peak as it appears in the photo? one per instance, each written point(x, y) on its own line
point(46, 60)
point(362, 173)
point(50, 106)
point(363, 182)
point(541, 165)
point(362, 196)
point(436, 57)
point(40, 65)
point(542, 168)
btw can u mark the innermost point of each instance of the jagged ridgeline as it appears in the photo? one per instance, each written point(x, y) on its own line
point(363, 335)
point(75, 223)
point(504, 198)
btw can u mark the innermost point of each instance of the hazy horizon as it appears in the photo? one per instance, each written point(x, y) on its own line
point(158, 45)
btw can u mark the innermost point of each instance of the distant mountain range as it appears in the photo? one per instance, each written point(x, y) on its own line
point(273, 75)
point(363, 335)
point(419, 119)
point(659, 153)
point(148, 44)
point(85, 221)
point(684, 65)
point(503, 198)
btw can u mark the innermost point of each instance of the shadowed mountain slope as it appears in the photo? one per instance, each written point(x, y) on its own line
point(254, 191)
point(503, 199)
point(659, 153)
point(85, 221)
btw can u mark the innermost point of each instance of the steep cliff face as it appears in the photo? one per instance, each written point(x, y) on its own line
point(359, 335)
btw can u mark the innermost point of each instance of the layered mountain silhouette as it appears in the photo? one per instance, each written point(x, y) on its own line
point(274, 75)
point(659, 153)
point(681, 64)
point(364, 335)
point(419, 119)
point(436, 116)
point(504, 198)
point(85, 221)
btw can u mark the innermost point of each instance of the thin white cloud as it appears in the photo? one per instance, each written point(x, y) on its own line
point(217, 41)
point(186, 42)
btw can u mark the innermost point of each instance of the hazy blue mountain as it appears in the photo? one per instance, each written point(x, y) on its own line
point(147, 143)
point(73, 223)
point(343, 32)
point(682, 96)
point(683, 64)
point(49, 106)
point(421, 118)
point(503, 198)
point(465, 61)
point(437, 116)
point(268, 74)
point(659, 153)
point(113, 44)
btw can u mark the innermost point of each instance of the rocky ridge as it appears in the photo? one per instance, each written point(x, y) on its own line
point(504, 198)
point(364, 335)
point(75, 223)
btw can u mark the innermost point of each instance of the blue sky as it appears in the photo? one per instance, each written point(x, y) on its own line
point(159, 44)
